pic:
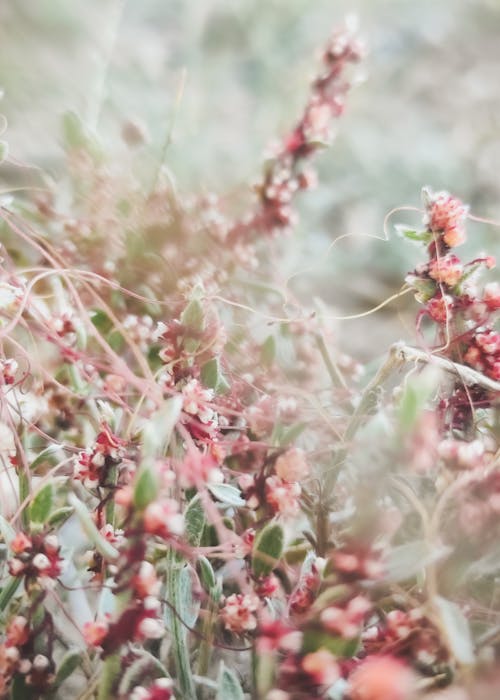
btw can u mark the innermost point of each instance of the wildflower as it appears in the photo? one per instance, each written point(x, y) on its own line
point(446, 215)
point(346, 620)
point(283, 496)
point(17, 632)
point(195, 400)
point(322, 667)
point(439, 308)
point(491, 296)
point(95, 632)
point(163, 518)
point(238, 613)
point(292, 465)
point(382, 678)
point(446, 270)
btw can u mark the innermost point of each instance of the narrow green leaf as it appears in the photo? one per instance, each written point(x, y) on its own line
point(47, 455)
point(207, 574)
point(267, 549)
point(268, 351)
point(146, 487)
point(228, 685)
point(226, 494)
point(42, 504)
point(194, 517)
point(57, 517)
point(69, 663)
point(6, 530)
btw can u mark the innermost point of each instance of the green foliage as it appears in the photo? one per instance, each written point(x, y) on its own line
point(267, 549)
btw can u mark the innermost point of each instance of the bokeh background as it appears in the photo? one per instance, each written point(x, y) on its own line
point(427, 112)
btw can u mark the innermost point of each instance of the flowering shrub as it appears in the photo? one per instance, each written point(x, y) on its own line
point(199, 500)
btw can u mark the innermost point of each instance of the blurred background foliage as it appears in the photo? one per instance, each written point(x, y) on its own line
point(426, 113)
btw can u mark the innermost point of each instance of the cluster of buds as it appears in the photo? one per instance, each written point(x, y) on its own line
point(484, 353)
point(464, 316)
point(36, 557)
point(408, 635)
point(306, 591)
point(279, 491)
point(308, 675)
point(284, 175)
point(140, 621)
point(238, 613)
point(91, 466)
point(355, 562)
point(18, 656)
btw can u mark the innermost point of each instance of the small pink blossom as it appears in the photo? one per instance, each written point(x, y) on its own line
point(238, 613)
point(292, 465)
point(283, 496)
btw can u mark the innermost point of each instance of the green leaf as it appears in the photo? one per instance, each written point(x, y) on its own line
point(47, 455)
point(289, 435)
point(146, 487)
point(212, 376)
point(207, 574)
point(267, 549)
point(412, 235)
point(57, 517)
point(226, 494)
point(20, 690)
point(407, 560)
point(6, 530)
point(228, 685)
point(42, 504)
point(314, 639)
point(69, 663)
point(457, 630)
point(73, 131)
point(158, 429)
point(192, 317)
point(417, 392)
point(101, 321)
point(268, 351)
point(194, 518)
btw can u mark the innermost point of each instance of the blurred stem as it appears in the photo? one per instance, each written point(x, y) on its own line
point(336, 376)
point(205, 651)
point(112, 665)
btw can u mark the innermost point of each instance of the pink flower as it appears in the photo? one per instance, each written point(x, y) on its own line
point(382, 678)
point(292, 465)
point(491, 296)
point(283, 496)
point(322, 666)
point(238, 613)
point(162, 518)
point(447, 214)
point(95, 632)
point(347, 620)
point(439, 308)
point(446, 270)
